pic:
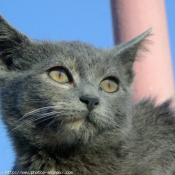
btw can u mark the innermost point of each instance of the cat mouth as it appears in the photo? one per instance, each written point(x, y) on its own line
point(75, 124)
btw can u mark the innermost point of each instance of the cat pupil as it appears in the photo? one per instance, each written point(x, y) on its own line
point(109, 84)
point(60, 74)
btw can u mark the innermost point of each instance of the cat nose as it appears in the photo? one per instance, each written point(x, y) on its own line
point(90, 102)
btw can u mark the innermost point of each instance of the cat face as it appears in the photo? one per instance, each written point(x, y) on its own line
point(65, 92)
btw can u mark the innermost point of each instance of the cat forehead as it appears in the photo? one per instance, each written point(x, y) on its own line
point(79, 55)
point(79, 50)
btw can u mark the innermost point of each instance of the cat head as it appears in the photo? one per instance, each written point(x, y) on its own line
point(67, 93)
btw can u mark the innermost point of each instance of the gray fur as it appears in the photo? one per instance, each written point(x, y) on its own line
point(51, 129)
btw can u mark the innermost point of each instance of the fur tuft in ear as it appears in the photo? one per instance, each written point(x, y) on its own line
point(127, 53)
point(11, 41)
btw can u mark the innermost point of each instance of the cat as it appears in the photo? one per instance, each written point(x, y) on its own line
point(68, 109)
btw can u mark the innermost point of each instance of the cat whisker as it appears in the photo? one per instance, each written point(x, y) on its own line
point(31, 118)
point(35, 118)
point(36, 114)
point(38, 110)
point(45, 119)
point(43, 109)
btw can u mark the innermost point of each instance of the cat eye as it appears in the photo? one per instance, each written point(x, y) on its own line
point(60, 75)
point(109, 85)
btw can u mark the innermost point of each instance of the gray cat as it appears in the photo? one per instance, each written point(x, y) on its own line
point(68, 109)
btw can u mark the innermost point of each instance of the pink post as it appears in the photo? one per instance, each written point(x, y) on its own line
point(154, 77)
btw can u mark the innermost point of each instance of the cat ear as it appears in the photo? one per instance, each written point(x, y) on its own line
point(11, 42)
point(128, 52)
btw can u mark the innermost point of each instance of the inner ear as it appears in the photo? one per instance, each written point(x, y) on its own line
point(11, 43)
point(126, 53)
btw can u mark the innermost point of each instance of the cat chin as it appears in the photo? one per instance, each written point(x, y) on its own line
point(77, 132)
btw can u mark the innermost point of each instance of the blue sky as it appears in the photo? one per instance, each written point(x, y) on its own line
point(88, 21)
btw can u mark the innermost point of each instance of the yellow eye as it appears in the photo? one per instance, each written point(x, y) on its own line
point(109, 85)
point(59, 75)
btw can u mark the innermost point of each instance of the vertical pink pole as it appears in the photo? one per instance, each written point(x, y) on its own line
point(154, 77)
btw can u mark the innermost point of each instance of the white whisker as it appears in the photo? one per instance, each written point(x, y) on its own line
point(35, 118)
